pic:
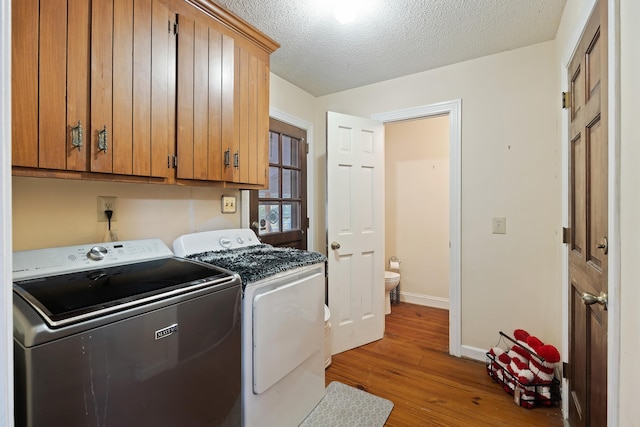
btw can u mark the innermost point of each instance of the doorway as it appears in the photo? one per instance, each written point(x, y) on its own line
point(454, 111)
point(417, 207)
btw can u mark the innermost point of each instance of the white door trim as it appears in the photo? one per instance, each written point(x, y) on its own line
point(454, 110)
point(305, 125)
point(613, 332)
point(6, 301)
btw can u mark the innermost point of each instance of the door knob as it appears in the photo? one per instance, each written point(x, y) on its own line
point(602, 299)
point(604, 245)
point(335, 245)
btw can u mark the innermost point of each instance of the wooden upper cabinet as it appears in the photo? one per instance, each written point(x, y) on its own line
point(111, 89)
point(223, 99)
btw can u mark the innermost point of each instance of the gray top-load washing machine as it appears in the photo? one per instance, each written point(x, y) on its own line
point(125, 334)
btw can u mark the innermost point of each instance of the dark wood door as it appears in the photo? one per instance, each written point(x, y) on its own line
point(588, 216)
point(278, 214)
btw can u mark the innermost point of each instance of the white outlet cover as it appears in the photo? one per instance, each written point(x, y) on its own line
point(499, 225)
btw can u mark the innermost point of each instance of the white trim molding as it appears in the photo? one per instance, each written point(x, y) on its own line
point(454, 110)
point(6, 254)
point(425, 300)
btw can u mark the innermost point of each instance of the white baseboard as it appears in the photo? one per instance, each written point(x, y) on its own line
point(474, 353)
point(426, 300)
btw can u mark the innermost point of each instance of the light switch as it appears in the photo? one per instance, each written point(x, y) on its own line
point(228, 204)
point(499, 225)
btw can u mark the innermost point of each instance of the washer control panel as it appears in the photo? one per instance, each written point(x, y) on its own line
point(52, 261)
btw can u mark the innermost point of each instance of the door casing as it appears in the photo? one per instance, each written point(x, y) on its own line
point(454, 110)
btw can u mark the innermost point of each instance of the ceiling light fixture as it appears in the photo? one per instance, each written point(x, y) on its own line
point(346, 11)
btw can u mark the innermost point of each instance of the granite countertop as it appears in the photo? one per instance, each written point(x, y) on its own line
point(258, 262)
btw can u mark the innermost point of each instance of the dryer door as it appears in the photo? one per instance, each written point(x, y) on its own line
point(288, 327)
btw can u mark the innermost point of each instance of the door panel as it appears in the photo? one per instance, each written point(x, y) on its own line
point(355, 229)
point(24, 74)
point(123, 36)
point(52, 104)
point(101, 87)
point(142, 104)
point(588, 216)
point(78, 81)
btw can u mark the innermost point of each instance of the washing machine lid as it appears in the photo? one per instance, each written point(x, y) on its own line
point(73, 297)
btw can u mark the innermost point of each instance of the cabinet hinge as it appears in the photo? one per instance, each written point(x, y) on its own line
point(566, 234)
point(172, 161)
point(306, 146)
point(565, 370)
point(307, 223)
point(565, 100)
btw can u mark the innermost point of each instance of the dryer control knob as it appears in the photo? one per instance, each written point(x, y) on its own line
point(225, 242)
point(97, 253)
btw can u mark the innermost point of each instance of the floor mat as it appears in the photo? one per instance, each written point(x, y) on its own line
point(345, 406)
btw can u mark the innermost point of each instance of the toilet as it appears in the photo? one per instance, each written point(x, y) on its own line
point(391, 280)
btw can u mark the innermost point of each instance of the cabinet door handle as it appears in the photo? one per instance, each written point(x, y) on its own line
point(227, 161)
point(236, 160)
point(76, 136)
point(103, 136)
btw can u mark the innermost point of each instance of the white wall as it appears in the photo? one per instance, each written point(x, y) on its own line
point(417, 207)
point(510, 167)
point(57, 212)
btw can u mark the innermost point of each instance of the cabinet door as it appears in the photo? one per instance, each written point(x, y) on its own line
point(131, 59)
point(252, 121)
point(50, 92)
point(205, 84)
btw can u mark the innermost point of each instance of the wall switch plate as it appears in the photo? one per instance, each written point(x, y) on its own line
point(107, 203)
point(499, 225)
point(228, 204)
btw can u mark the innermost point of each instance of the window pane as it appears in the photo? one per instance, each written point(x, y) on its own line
point(290, 216)
point(274, 154)
point(273, 192)
point(290, 184)
point(290, 151)
point(269, 218)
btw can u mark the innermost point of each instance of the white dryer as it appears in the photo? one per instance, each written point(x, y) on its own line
point(282, 322)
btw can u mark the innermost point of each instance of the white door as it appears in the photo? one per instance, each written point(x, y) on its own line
point(355, 230)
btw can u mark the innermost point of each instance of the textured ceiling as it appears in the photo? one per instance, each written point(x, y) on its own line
point(396, 38)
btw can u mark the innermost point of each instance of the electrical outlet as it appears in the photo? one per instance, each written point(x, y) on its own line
point(228, 204)
point(499, 225)
point(107, 203)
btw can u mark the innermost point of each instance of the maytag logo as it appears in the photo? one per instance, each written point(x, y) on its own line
point(165, 332)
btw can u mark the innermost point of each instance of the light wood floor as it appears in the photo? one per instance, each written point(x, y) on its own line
point(411, 367)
